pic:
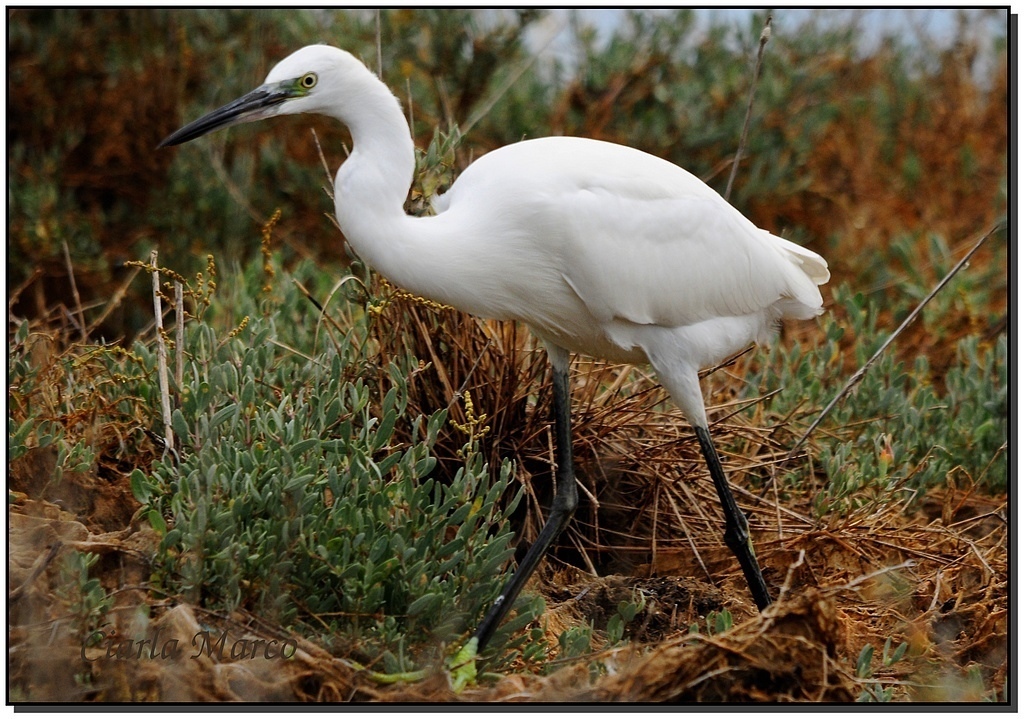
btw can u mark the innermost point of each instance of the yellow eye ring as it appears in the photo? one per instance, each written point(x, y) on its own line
point(308, 81)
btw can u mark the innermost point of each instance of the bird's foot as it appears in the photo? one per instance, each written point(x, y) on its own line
point(462, 666)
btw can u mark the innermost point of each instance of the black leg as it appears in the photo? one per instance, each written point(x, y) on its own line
point(737, 534)
point(562, 507)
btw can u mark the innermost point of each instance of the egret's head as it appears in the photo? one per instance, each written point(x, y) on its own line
point(308, 80)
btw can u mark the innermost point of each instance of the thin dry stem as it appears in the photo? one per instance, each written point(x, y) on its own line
point(74, 293)
point(859, 374)
point(179, 328)
point(766, 34)
point(161, 353)
point(380, 50)
point(481, 113)
point(116, 299)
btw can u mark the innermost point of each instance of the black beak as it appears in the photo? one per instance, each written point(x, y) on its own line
point(252, 106)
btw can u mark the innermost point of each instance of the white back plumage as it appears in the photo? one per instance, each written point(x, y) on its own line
point(638, 238)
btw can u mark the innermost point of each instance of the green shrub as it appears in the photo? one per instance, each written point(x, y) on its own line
point(288, 497)
point(896, 428)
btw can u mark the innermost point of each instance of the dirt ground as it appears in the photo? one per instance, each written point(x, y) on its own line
point(935, 579)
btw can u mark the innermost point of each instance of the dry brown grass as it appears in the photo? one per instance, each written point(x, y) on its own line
point(945, 593)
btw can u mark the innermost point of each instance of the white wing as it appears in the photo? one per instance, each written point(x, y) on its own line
point(678, 261)
point(639, 239)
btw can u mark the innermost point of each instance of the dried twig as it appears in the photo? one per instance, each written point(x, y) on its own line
point(408, 94)
point(74, 293)
point(179, 334)
point(380, 52)
point(787, 584)
point(859, 374)
point(161, 354)
point(115, 300)
point(512, 79)
point(14, 294)
point(765, 36)
point(41, 563)
point(857, 581)
point(217, 165)
point(329, 188)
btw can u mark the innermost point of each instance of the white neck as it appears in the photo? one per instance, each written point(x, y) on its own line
point(371, 187)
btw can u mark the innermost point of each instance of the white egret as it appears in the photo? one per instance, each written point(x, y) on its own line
point(600, 249)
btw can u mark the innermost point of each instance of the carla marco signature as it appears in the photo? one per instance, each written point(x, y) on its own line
point(205, 642)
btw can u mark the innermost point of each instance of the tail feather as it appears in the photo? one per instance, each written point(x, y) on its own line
point(811, 271)
point(813, 264)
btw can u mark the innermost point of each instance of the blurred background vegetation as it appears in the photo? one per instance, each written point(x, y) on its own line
point(851, 151)
point(887, 157)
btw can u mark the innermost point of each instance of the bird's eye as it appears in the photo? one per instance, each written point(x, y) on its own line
point(308, 81)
